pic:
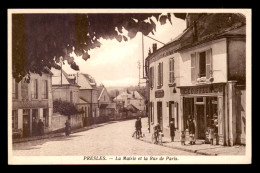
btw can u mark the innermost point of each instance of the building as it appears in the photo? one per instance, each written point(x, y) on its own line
point(164, 76)
point(132, 100)
point(31, 102)
point(106, 106)
point(88, 92)
point(64, 86)
point(66, 89)
point(209, 75)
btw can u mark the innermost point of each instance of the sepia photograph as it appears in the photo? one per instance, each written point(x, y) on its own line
point(129, 86)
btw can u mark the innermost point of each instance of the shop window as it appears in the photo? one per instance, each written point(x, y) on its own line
point(15, 89)
point(45, 89)
point(171, 71)
point(46, 117)
point(15, 119)
point(34, 89)
point(34, 114)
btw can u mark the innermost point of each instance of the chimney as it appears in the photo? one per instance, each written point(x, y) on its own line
point(154, 47)
point(149, 52)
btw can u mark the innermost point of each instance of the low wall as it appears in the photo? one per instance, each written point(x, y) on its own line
point(58, 121)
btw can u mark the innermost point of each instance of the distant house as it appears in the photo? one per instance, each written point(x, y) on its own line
point(106, 105)
point(88, 92)
point(134, 98)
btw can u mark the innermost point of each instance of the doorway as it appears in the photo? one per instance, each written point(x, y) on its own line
point(201, 121)
point(159, 114)
point(26, 122)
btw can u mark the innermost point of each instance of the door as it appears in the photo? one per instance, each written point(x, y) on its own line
point(201, 125)
point(26, 123)
point(159, 114)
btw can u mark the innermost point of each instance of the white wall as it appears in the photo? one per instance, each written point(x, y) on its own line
point(219, 58)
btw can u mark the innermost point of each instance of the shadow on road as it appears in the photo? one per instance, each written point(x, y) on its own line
point(37, 143)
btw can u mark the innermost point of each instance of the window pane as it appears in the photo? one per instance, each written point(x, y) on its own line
point(202, 63)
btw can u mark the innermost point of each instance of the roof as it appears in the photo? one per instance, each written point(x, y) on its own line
point(85, 81)
point(209, 26)
point(66, 78)
point(82, 101)
point(129, 95)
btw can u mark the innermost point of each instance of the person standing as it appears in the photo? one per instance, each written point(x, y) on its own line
point(191, 127)
point(34, 127)
point(211, 134)
point(172, 130)
point(67, 128)
point(40, 127)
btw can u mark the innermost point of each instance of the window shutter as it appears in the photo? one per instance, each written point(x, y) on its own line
point(170, 70)
point(208, 63)
point(159, 75)
point(197, 65)
point(162, 74)
point(193, 69)
point(150, 77)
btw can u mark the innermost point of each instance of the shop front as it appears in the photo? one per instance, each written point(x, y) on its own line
point(204, 103)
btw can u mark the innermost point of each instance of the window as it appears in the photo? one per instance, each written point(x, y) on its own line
point(171, 70)
point(35, 89)
point(46, 117)
point(160, 75)
point(35, 114)
point(71, 97)
point(15, 89)
point(15, 119)
point(151, 81)
point(201, 65)
point(45, 89)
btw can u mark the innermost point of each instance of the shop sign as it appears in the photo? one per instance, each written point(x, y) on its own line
point(202, 89)
point(159, 94)
point(30, 104)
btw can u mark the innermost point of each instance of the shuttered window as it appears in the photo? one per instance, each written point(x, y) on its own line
point(208, 63)
point(201, 65)
point(45, 89)
point(160, 75)
point(35, 89)
point(193, 69)
point(171, 70)
point(151, 81)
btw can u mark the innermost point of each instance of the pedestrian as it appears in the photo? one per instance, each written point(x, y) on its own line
point(136, 127)
point(211, 134)
point(172, 130)
point(40, 127)
point(34, 127)
point(157, 130)
point(140, 127)
point(191, 127)
point(183, 138)
point(67, 128)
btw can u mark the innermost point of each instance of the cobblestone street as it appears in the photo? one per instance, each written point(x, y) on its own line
point(111, 139)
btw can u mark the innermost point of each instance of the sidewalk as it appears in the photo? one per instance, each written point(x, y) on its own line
point(59, 134)
point(199, 147)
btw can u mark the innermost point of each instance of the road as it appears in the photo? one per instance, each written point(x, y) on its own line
point(111, 139)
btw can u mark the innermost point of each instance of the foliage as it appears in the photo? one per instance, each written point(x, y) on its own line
point(39, 40)
point(64, 107)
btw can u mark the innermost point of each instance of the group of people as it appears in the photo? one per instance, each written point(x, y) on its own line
point(37, 127)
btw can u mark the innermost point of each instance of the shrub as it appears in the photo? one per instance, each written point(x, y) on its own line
point(64, 108)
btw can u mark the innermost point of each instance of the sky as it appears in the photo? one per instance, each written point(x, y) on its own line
point(115, 64)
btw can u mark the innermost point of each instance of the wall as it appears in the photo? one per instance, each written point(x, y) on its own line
point(58, 121)
point(237, 60)
point(63, 93)
point(219, 58)
point(168, 91)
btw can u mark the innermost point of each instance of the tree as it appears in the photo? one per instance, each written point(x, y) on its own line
point(40, 40)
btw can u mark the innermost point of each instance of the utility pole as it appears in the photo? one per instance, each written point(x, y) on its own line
point(139, 67)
